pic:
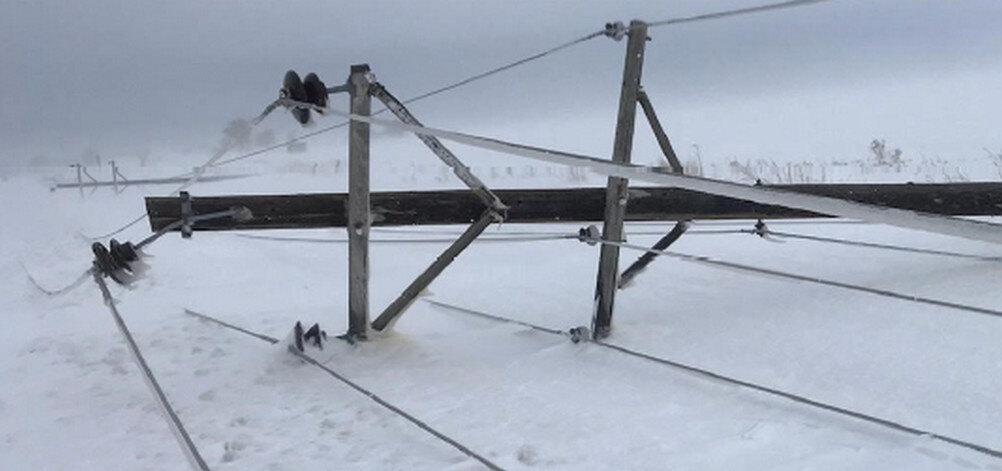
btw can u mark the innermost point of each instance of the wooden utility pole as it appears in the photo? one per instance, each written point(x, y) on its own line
point(647, 203)
point(358, 205)
point(616, 190)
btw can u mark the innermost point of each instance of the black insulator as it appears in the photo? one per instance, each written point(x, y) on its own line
point(103, 260)
point(292, 88)
point(115, 263)
point(315, 336)
point(316, 91)
point(297, 334)
point(123, 253)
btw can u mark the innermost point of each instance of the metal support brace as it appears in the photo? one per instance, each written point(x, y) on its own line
point(616, 190)
point(648, 257)
point(358, 205)
point(405, 299)
point(659, 132)
point(462, 171)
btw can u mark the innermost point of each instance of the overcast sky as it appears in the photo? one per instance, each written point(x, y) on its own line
point(815, 82)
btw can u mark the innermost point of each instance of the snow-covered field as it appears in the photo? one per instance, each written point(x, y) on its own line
point(70, 398)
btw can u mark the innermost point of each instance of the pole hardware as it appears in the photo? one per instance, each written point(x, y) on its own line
point(186, 215)
point(589, 235)
point(616, 30)
point(301, 96)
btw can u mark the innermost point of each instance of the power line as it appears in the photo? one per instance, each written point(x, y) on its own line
point(941, 224)
point(873, 245)
point(810, 279)
point(719, 377)
point(58, 291)
point(180, 434)
point(195, 174)
point(319, 240)
point(504, 237)
point(396, 410)
point(425, 95)
point(505, 67)
point(737, 12)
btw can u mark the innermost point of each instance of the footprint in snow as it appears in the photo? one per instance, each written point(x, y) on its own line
point(208, 396)
point(966, 464)
point(231, 450)
point(527, 455)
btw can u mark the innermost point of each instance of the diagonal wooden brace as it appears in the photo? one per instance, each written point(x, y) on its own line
point(648, 257)
point(462, 171)
point(676, 168)
point(397, 307)
point(659, 132)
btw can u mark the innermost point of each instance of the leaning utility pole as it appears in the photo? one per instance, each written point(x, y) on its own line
point(616, 191)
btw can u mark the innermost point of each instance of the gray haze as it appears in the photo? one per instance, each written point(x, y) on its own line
point(124, 77)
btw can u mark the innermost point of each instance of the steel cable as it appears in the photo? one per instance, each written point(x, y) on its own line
point(810, 279)
point(736, 12)
point(180, 434)
point(726, 379)
point(873, 245)
point(423, 96)
point(396, 410)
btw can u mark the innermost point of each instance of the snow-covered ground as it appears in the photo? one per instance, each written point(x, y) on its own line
point(70, 398)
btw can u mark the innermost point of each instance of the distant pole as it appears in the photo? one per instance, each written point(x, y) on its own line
point(358, 205)
point(616, 190)
point(80, 178)
point(114, 176)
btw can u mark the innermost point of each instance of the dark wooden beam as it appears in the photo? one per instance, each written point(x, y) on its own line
point(300, 211)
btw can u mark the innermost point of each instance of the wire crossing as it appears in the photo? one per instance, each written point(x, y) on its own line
point(737, 12)
point(396, 410)
point(719, 377)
